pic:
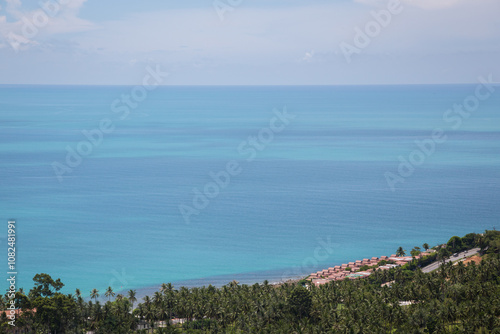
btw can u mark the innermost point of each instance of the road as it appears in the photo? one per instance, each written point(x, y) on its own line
point(461, 255)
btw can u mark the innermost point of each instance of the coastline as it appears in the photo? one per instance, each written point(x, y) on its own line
point(324, 274)
point(274, 277)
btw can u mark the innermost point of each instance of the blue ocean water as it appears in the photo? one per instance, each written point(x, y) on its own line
point(315, 193)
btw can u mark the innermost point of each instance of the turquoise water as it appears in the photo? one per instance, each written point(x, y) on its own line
point(314, 195)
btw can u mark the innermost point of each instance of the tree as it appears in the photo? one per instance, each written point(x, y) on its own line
point(400, 251)
point(58, 313)
point(131, 296)
point(109, 293)
point(45, 286)
point(469, 240)
point(454, 244)
point(443, 254)
point(300, 301)
point(461, 298)
point(426, 246)
point(489, 241)
point(94, 294)
point(168, 292)
point(415, 251)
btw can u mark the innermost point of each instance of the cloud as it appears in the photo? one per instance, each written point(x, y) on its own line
point(424, 4)
point(255, 44)
point(14, 8)
point(308, 56)
point(435, 4)
point(30, 26)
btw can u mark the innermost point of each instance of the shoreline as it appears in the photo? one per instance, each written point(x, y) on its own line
point(274, 277)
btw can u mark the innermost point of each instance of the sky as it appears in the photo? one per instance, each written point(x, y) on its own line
point(249, 42)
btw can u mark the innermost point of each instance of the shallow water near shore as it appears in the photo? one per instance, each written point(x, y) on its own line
point(315, 194)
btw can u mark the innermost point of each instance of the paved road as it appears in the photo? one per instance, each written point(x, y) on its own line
point(461, 255)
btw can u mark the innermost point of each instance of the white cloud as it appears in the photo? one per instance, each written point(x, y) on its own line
point(437, 4)
point(260, 43)
point(424, 4)
point(246, 33)
point(14, 8)
point(31, 26)
point(308, 56)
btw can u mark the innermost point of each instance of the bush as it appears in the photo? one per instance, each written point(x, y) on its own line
point(302, 282)
point(454, 244)
point(469, 240)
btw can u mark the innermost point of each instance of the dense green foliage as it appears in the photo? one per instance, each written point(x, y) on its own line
point(453, 299)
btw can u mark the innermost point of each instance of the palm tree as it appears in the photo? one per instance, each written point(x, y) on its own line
point(426, 246)
point(166, 287)
point(94, 294)
point(131, 297)
point(148, 311)
point(443, 254)
point(400, 252)
point(168, 292)
point(109, 293)
point(78, 293)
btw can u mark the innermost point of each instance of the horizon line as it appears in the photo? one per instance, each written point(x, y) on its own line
point(243, 85)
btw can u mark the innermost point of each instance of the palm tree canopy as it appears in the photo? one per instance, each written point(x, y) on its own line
point(400, 252)
point(109, 292)
point(131, 295)
point(94, 294)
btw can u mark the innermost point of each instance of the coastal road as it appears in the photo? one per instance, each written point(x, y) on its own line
point(461, 255)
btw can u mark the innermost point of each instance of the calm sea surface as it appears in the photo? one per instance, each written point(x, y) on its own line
point(106, 190)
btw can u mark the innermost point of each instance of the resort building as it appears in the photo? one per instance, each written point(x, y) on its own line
point(338, 273)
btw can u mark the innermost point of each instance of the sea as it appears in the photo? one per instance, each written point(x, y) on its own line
point(129, 187)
